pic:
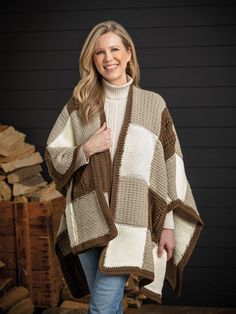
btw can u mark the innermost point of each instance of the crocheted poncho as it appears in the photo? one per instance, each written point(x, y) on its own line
point(122, 207)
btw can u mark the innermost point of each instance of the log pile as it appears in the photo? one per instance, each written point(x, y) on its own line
point(132, 298)
point(14, 300)
point(20, 169)
point(21, 183)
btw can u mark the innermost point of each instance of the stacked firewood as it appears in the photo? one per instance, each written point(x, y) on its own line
point(132, 297)
point(20, 167)
point(14, 300)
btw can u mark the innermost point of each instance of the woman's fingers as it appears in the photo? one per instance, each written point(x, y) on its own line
point(169, 252)
point(160, 249)
point(99, 141)
point(102, 128)
point(168, 242)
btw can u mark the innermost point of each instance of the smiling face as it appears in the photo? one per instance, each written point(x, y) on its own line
point(111, 58)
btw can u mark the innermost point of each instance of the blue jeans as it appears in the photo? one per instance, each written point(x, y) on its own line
point(106, 290)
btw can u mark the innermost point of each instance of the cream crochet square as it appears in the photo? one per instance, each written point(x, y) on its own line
point(138, 152)
point(120, 251)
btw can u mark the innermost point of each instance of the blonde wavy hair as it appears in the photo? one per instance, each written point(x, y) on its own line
point(89, 91)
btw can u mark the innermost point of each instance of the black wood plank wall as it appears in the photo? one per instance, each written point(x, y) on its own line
point(186, 49)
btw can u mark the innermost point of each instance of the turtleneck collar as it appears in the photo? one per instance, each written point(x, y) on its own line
point(117, 91)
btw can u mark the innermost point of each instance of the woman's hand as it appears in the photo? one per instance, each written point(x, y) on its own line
point(168, 242)
point(98, 142)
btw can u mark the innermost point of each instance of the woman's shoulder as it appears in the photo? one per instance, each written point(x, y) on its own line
point(149, 96)
point(70, 105)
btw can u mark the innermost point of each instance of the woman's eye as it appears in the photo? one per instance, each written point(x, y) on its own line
point(101, 51)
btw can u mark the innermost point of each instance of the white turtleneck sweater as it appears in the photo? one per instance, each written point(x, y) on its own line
point(114, 106)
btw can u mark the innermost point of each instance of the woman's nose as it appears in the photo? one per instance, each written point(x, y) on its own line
point(108, 56)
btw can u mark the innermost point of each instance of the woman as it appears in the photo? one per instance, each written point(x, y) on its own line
point(114, 154)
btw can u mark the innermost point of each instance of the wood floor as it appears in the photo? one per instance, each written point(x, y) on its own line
point(150, 309)
point(166, 309)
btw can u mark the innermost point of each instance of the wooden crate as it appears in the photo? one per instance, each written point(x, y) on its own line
point(27, 235)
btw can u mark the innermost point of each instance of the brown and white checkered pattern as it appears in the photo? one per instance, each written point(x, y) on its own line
point(150, 180)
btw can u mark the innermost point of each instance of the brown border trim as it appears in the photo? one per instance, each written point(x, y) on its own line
point(120, 150)
point(151, 295)
point(60, 179)
point(186, 213)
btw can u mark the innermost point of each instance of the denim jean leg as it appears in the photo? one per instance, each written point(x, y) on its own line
point(89, 261)
point(106, 290)
point(107, 294)
point(120, 299)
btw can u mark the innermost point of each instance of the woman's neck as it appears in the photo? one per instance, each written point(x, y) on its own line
point(117, 91)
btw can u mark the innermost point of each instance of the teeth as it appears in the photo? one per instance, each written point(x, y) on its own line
point(111, 66)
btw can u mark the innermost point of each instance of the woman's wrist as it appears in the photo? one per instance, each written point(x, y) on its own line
point(87, 150)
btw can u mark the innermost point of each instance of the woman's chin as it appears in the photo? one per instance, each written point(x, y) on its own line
point(115, 79)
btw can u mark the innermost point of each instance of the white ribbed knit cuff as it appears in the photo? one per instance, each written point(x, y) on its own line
point(81, 159)
point(169, 221)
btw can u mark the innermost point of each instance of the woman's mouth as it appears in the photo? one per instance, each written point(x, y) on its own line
point(111, 67)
